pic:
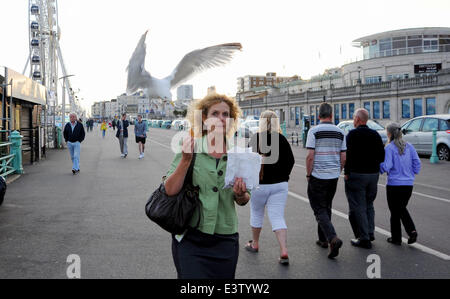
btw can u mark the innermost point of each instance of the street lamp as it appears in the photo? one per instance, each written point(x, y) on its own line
point(63, 110)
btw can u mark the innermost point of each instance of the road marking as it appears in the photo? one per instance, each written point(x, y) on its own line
point(383, 232)
point(433, 187)
point(163, 145)
point(416, 193)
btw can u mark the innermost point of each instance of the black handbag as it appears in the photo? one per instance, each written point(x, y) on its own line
point(173, 213)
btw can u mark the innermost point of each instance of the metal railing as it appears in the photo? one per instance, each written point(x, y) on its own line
point(6, 167)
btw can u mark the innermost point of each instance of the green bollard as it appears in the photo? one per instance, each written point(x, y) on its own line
point(283, 129)
point(434, 157)
point(16, 150)
point(59, 137)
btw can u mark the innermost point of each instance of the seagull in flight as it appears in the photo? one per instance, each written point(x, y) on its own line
point(191, 64)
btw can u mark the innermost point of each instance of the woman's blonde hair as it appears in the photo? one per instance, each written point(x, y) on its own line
point(204, 105)
point(269, 122)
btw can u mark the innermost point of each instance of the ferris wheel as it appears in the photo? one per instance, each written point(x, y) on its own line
point(45, 52)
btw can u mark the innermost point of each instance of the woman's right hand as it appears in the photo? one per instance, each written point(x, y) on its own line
point(188, 149)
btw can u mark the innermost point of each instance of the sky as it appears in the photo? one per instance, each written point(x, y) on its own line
point(289, 37)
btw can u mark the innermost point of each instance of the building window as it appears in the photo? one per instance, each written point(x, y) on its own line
point(418, 107)
point(406, 113)
point(297, 116)
point(373, 79)
point(351, 110)
point(336, 114)
point(376, 110)
point(292, 113)
point(367, 107)
point(386, 109)
point(431, 106)
point(344, 111)
point(317, 115)
point(385, 47)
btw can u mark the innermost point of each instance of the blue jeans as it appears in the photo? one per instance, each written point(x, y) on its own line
point(74, 149)
point(103, 133)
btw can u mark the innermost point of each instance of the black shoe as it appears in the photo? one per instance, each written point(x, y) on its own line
point(74, 171)
point(322, 244)
point(412, 238)
point(371, 238)
point(335, 244)
point(398, 243)
point(361, 243)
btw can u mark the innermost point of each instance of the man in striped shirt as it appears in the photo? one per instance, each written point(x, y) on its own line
point(324, 162)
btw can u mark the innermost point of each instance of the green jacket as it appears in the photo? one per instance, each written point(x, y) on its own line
point(218, 212)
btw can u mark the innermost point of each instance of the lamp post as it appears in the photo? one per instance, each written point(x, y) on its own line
point(63, 107)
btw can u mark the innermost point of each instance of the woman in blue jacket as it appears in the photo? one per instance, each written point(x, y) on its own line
point(401, 164)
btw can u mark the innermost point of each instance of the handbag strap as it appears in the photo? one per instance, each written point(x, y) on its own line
point(189, 180)
point(190, 174)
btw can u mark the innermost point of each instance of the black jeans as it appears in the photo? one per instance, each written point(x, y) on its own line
point(361, 190)
point(398, 198)
point(321, 194)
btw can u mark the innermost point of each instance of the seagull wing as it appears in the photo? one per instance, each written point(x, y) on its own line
point(138, 77)
point(200, 60)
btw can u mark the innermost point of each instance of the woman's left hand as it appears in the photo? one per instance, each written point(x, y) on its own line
point(239, 187)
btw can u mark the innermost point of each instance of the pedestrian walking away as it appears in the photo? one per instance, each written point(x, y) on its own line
point(74, 135)
point(122, 134)
point(402, 164)
point(325, 160)
point(278, 161)
point(114, 124)
point(103, 128)
point(365, 152)
point(140, 131)
point(210, 249)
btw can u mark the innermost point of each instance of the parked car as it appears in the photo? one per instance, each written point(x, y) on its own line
point(185, 125)
point(419, 132)
point(248, 128)
point(159, 123)
point(251, 117)
point(166, 124)
point(176, 124)
point(347, 126)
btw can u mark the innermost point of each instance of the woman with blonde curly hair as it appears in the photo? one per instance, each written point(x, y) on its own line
point(209, 249)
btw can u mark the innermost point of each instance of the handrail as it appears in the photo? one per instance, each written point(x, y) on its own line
point(5, 144)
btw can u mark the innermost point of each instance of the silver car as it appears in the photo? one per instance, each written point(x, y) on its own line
point(419, 132)
point(347, 125)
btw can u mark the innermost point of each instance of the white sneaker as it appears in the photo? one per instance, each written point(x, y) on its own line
point(122, 156)
point(140, 156)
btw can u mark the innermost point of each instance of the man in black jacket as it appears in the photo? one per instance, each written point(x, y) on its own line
point(122, 134)
point(74, 135)
point(365, 152)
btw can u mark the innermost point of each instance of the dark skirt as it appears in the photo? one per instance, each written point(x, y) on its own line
point(204, 256)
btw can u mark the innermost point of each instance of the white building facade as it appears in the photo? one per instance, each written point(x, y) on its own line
point(402, 74)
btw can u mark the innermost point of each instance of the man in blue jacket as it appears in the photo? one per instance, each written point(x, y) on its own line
point(122, 134)
point(74, 135)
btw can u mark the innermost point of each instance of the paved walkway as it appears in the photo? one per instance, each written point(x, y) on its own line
point(99, 215)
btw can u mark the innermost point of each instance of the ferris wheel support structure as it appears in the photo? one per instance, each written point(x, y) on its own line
point(45, 52)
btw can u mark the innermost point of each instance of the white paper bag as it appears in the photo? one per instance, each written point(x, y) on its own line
point(245, 164)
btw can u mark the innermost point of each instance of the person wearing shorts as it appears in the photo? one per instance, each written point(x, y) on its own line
point(140, 130)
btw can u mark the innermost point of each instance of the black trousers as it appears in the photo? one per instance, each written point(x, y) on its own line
point(398, 198)
point(361, 191)
point(204, 256)
point(321, 194)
